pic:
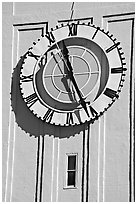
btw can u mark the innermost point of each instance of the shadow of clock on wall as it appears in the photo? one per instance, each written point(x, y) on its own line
point(27, 121)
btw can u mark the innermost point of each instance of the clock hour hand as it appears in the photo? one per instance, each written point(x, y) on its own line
point(69, 66)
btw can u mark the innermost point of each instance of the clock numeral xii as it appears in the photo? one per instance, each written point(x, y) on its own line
point(73, 29)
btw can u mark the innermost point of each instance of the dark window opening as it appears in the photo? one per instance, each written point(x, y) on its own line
point(71, 171)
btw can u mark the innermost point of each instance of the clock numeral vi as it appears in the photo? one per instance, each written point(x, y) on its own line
point(73, 28)
point(110, 93)
point(48, 116)
point(112, 47)
point(69, 119)
point(31, 99)
point(26, 78)
point(50, 37)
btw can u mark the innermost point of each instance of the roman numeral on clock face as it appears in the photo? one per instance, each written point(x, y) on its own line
point(43, 61)
point(31, 99)
point(48, 115)
point(93, 111)
point(69, 119)
point(26, 78)
point(95, 33)
point(73, 28)
point(33, 55)
point(110, 93)
point(112, 47)
point(117, 70)
point(50, 37)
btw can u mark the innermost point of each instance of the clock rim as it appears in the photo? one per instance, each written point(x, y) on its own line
point(122, 75)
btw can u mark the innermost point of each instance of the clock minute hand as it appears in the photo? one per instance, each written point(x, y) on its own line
point(69, 66)
point(82, 102)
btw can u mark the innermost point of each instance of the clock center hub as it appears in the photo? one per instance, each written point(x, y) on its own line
point(81, 73)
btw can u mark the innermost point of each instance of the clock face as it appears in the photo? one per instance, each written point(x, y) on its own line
point(73, 74)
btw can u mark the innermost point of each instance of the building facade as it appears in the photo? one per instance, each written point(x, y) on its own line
point(92, 161)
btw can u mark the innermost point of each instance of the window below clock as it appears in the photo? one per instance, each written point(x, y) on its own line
point(71, 171)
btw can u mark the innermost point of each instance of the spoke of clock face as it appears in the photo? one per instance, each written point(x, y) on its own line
point(83, 53)
point(94, 72)
point(72, 60)
point(55, 75)
point(85, 73)
point(59, 94)
point(64, 75)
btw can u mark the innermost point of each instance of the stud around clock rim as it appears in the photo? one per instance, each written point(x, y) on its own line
point(116, 70)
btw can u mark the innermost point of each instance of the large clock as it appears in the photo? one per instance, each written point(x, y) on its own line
point(73, 74)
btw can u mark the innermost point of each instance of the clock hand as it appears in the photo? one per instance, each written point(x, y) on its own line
point(69, 66)
point(83, 103)
point(64, 79)
point(64, 56)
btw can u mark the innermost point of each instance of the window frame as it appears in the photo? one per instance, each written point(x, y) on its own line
point(66, 186)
